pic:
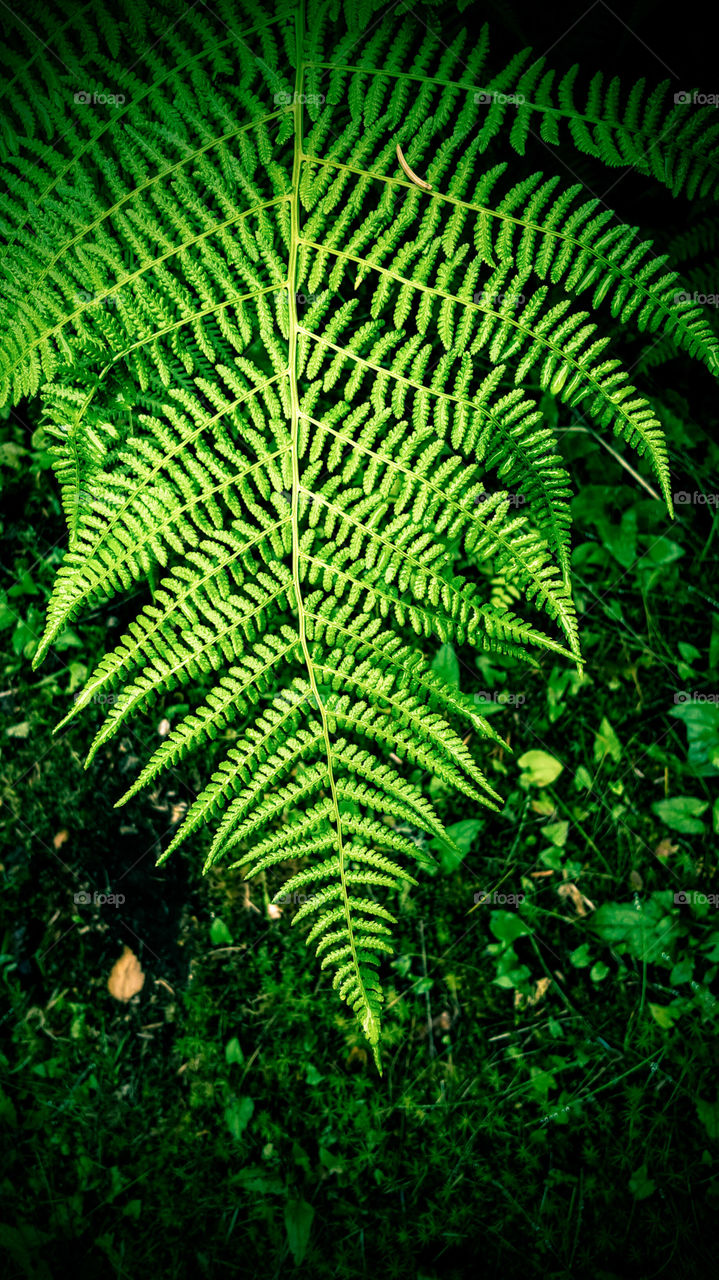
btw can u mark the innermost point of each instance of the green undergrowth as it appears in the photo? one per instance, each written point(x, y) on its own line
point(549, 1096)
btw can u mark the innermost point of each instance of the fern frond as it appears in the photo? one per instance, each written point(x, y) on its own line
point(302, 394)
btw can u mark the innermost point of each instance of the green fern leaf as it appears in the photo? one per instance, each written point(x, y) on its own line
point(291, 330)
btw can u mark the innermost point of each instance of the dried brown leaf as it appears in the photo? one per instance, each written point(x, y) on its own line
point(665, 848)
point(126, 978)
point(571, 893)
point(541, 987)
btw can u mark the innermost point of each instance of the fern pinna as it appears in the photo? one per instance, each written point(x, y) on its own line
point(298, 389)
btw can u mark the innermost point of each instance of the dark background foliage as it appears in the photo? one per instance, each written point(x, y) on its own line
point(549, 1105)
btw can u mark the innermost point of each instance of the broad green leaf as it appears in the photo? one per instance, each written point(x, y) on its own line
point(507, 926)
point(682, 813)
point(233, 1051)
point(641, 1185)
point(446, 665)
point(556, 832)
point(540, 769)
point(238, 1114)
point(664, 1014)
point(606, 743)
point(298, 1222)
point(463, 834)
point(645, 930)
point(708, 1113)
point(701, 721)
point(220, 935)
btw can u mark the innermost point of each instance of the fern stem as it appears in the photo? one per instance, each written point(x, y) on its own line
point(369, 1020)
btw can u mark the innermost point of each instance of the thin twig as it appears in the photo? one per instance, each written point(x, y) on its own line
point(413, 177)
point(430, 1035)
